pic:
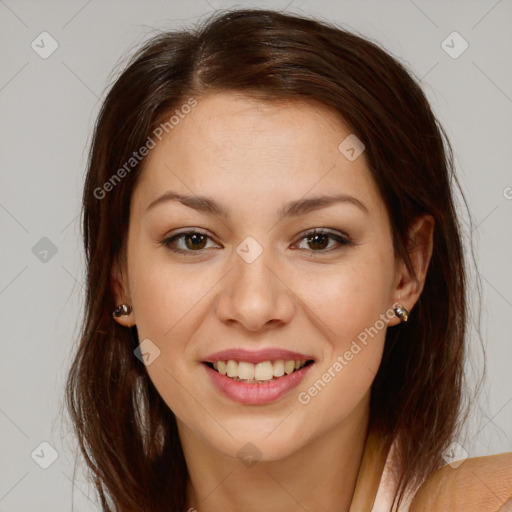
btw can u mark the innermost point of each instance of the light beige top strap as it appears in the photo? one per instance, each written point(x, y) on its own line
point(370, 472)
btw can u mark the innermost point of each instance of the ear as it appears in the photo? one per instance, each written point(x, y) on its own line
point(120, 290)
point(408, 287)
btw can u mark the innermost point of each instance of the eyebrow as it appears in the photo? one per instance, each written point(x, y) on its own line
point(290, 209)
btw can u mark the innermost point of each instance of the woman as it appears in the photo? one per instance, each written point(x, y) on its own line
point(276, 310)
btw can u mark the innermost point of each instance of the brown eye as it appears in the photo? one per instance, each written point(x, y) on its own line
point(195, 241)
point(187, 242)
point(317, 241)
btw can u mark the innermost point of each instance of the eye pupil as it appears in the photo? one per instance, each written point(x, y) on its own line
point(314, 239)
point(195, 237)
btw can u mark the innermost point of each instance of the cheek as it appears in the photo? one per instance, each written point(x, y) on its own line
point(352, 361)
point(352, 309)
point(164, 295)
point(351, 298)
point(340, 388)
point(170, 305)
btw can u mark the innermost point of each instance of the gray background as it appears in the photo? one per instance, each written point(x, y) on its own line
point(48, 107)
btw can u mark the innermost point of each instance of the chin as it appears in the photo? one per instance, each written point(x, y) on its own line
point(249, 450)
point(269, 442)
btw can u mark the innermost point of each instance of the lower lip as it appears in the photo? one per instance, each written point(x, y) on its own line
point(255, 394)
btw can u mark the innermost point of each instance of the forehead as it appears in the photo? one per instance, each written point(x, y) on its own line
point(231, 146)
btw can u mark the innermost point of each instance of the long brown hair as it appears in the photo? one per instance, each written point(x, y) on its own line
point(125, 430)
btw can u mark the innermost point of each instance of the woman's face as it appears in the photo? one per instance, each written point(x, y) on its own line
point(254, 279)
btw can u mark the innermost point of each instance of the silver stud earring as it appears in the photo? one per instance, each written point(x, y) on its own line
point(401, 312)
point(123, 309)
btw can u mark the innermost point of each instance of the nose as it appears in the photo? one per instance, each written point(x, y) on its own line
point(255, 296)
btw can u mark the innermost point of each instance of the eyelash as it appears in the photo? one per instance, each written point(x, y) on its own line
point(341, 239)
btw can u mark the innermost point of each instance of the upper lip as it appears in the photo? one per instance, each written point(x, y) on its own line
point(256, 356)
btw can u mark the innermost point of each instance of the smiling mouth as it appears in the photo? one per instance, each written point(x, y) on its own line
point(259, 373)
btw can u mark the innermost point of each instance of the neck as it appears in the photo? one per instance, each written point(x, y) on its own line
point(320, 475)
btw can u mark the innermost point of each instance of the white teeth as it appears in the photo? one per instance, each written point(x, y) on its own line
point(246, 370)
point(278, 368)
point(289, 366)
point(232, 369)
point(264, 371)
point(221, 367)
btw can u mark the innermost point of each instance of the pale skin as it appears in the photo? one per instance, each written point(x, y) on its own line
point(252, 158)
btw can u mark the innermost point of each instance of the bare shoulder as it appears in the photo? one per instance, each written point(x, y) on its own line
point(478, 484)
